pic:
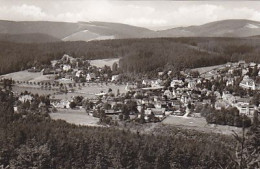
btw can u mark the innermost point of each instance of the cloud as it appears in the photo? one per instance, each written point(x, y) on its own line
point(22, 12)
point(138, 13)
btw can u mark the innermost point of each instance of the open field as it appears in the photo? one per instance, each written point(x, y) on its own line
point(203, 70)
point(28, 76)
point(90, 89)
point(78, 117)
point(103, 62)
point(199, 124)
point(87, 91)
point(22, 75)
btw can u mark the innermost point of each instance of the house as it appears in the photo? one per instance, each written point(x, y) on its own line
point(192, 84)
point(230, 82)
point(156, 83)
point(176, 83)
point(79, 73)
point(245, 71)
point(158, 112)
point(25, 98)
point(64, 104)
point(115, 78)
point(229, 98)
point(245, 108)
point(219, 104)
point(248, 83)
point(91, 76)
point(66, 67)
point(168, 93)
point(146, 82)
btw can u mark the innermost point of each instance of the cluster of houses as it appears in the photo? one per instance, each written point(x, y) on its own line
point(245, 76)
point(154, 99)
point(71, 70)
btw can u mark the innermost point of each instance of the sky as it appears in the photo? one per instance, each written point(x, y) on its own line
point(150, 14)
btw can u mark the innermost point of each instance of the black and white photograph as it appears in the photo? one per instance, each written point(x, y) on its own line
point(129, 84)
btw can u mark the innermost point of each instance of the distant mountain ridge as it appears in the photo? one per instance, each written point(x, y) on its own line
point(225, 28)
point(88, 31)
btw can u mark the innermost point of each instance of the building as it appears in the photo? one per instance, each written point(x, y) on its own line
point(156, 83)
point(25, 98)
point(230, 82)
point(245, 108)
point(192, 84)
point(66, 67)
point(79, 73)
point(91, 76)
point(63, 104)
point(168, 93)
point(176, 83)
point(248, 83)
point(115, 78)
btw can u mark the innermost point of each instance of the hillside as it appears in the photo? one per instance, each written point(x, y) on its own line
point(225, 28)
point(138, 55)
point(28, 38)
point(88, 31)
point(80, 31)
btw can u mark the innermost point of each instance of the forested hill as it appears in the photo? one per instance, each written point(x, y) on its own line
point(139, 55)
point(33, 140)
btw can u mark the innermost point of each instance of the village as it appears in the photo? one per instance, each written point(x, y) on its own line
point(78, 86)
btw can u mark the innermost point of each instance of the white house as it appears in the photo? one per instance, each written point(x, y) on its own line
point(168, 93)
point(230, 82)
point(229, 98)
point(146, 82)
point(192, 84)
point(245, 71)
point(91, 76)
point(25, 98)
point(245, 108)
point(79, 73)
point(64, 104)
point(176, 82)
point(248, 83)
point(66, 67)
point(115, 78)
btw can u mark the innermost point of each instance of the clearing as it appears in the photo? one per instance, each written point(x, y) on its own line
point(22, 75)
point(199, 124)
point(203, 70)
point(102, 62)
point(28, 76)
point(77, 116)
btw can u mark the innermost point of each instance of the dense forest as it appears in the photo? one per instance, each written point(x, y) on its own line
point(138, 55)
point(33, 140)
